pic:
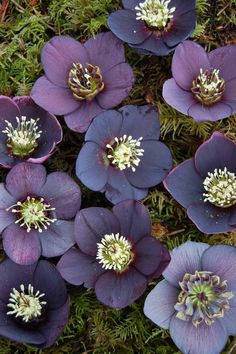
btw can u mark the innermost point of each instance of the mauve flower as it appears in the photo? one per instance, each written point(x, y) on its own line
point(117, 254)
point(82, 80)
point(34, 304)
point(196, 300)
point(206, 185)
point(203, 84)
point(154, 26)
point(122, 155)
point(27, 132)
point(36, 211)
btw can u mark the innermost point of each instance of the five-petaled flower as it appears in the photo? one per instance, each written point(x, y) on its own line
point(117, 254)
point(82, 80)
point(36, 211)
point(206, 185)
point(122, 155)
point(27, 132)
point(154, 26)
point(203, 84)
point(196, 300)
point(34, 303)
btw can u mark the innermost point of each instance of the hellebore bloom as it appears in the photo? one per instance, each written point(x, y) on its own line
point(82, 80)
point(27, 132)
point(35, 213)
point(154, 26)
point(117, 254)
point(122, 155)
point(206, 185)
point(196, 300)
point(34, 304)
point(203, 84)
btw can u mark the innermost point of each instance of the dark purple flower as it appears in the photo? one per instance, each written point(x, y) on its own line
point(197, 299)
point(117, 254)
point(27, 132)
point(36, 211)
point(154, 26)
point(82, 80)
point(206, 185)
point(203, 84)
point(34, 304)
point(122, 155)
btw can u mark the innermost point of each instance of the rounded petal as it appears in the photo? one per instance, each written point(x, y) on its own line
point(222, 59)
point(6, 199)
point(52, 98)
point(120, 290)
point(130, 4)
point(185, 184)
point(25, 179)
point(217, 152)
point(154, 166)
point(57, 239)
point(154, 44)
point(188, 59)
point(160, 302)
point(135, 222)
point(90, 166)
point(165, 260)
point(6, 160)
point(8, 111)
point(229, 96)
point(182, 6)
point(124, 25)
point(58, 56)
point(62, 193)
point(184, 259)
point(78, 268)
point(21, 246)
point(91, 225)
point(6, 218)
point(118, 82)
point(202, 339)
point(216, 111)
point(176, 97)
point(228, 321)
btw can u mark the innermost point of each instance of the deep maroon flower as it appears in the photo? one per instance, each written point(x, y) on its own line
point(36, 212)
point(206, 185)
point(82, 80)
point(122, 155)
point(34, 304)
point(27, 132)
point(154, 26)
point(117, 254)
point(197, 299)
point(203, 84)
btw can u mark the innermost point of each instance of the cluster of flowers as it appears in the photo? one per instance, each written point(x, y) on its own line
point(113, 251)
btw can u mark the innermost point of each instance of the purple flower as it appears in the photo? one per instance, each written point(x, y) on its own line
point(36, 212)
point(122, 155)
point(117, 254)
point(154, 26)
point(27, 132)
point(34, 304)
point(82, 80)
point(203, 84)
point(197, 299)
point(206, 185)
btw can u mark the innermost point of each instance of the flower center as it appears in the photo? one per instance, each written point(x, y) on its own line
point(114, 252)
point(124, 152)
point(85, 82)
point(155, 13)
point(25, 303)
point(33, 213)
point(22, 140)
point(221, 188)
point(203, 298)
point(208, 87)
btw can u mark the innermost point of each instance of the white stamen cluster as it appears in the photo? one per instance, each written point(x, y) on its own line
point(33, 213)
point(114, 252)
point(25, 303)
point(124, 152)
point(155, 13)
point(221, 188)
point(22, 140)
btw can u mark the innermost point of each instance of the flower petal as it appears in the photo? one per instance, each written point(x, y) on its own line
point(8, 111)
point(6, 160)
point(6, 218)
point(222, 59)
point(154, 44)
point(216, 111)
point(182, 6)
point(228, 321)
point(229, 96)
point(130, 4)
point(160, 302)
point(6, 199)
